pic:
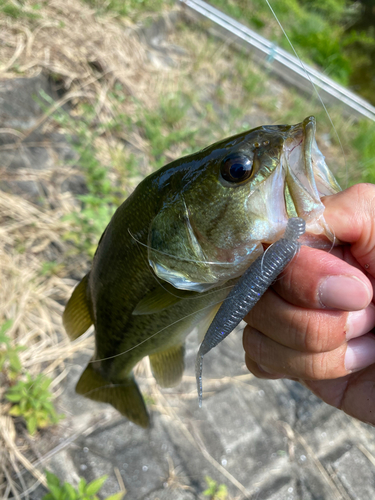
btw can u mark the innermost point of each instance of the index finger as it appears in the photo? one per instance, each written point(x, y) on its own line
point(350, 215)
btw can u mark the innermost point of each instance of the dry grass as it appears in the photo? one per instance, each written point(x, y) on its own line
point(69, 42)
point(33, 302)
point(86, 56)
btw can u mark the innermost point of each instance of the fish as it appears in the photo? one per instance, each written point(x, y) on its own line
point(175, 247)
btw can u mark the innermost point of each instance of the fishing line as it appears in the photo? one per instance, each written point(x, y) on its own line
point(151, 271)
point(183, 259)
point(182, 297)
point(314, 87)
point(335, 241)
point(263, 256)
point(171, 324)
point(213, 262)
point(107, 386)
point(157, 333)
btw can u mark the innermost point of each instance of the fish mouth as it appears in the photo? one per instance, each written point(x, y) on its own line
point(297, 160)
point(307, 178)
point(295, 188)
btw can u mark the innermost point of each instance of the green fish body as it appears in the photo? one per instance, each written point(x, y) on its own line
point(172, 250)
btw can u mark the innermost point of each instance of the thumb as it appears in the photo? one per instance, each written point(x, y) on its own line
point(350, 215)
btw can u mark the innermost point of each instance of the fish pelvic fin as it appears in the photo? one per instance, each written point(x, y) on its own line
point(124, 396)
point(168, 366)
point(76, 317)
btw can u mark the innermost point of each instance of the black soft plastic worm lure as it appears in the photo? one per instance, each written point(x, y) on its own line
point(249, 289)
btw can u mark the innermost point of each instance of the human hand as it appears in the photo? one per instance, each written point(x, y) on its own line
point(313, 325)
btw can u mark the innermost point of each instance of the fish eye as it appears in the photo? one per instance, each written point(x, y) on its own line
point(236, 168)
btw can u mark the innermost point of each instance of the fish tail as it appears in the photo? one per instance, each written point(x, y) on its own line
point(125, 397)
point(76, 317)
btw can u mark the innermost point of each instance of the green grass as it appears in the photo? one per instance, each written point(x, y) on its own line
point(214, 490)
point(166, 126)
point(100, 202)
point(320, 32)
point(32, 400)
point(30, 396)
point(19, 11)
point(364, 142)
point(182, 122)
point(130, 8)
point(84, 491)
point(10, 364)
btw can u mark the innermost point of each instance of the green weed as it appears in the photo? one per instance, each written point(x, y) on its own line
point(87, 225)
point(84, 491)
point(166, 126)
point(17, 10)
point(10, 363)
point(364, 143)
point(252, 81)
point(215, 491)
point(316, 29)
point(32, 400)
point(132, 8)
point(99, 204)
point(50, 268)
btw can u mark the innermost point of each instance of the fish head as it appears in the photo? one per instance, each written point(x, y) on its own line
point(223, 203)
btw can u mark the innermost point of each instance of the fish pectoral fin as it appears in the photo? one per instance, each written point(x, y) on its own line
point(160, 298)
point(125, 396)
point(168, 366)
point(76, 317)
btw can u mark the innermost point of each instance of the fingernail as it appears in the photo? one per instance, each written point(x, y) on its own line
point(344, 292)
point(360, 353)
point(360, 322)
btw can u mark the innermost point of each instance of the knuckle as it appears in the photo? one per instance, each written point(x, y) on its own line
point(304, 330)
point(363, 191)
point(324, 366)
point(257, 347)
point(316, 367)
point(364, 196)
point(315, 334)
point(319, 332)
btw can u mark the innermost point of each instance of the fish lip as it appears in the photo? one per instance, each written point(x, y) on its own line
point(303, 134)
point(309, 129)
point(305, 130)
point(298, 146)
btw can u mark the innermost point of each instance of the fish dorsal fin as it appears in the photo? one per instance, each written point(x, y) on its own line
point(76, 317)
point(160, 298)
point(168, 366)
point(124, 396)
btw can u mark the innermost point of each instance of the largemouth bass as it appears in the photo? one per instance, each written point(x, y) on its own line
point(173, 249)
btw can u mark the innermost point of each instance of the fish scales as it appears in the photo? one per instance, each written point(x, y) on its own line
point(173, 249)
